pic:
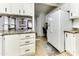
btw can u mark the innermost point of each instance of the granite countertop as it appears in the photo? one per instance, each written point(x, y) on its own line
point(72, 31)
point(15, 32)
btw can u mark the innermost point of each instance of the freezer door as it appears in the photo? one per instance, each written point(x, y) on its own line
point(58, 23)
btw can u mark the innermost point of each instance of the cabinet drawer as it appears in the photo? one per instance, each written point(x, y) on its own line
point(27, 36)
point(27, 42)
point(31, 35)
point(27, 49)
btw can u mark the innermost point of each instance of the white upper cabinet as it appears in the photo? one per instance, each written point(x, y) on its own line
point(18, 8)
point(74, 10)
point(3, 8)
point(8, 9)
point(28, 9)
point(23, 9)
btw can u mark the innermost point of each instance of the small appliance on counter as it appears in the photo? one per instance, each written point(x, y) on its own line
point(22, 25)
point(29, 24)
point(25, 24)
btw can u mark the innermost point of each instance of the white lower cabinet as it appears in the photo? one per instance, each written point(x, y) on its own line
point(27, 50)
point(19, 44)
point(72, 43)
point(27, 44)
point(0, 45)
point(11, 45)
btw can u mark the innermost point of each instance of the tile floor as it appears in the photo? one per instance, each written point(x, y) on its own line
point(41, 50)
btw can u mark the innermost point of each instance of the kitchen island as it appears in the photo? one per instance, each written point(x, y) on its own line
point(17, 43)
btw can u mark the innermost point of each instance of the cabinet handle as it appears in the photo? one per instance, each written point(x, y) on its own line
point(27, 36)
point(5, 9)
point(27, 50)
point(71, 14)
point(22, 39)
point(66, 35)
point(19, 11)
point(23, 11)
point(73, 35)
point(27, 42)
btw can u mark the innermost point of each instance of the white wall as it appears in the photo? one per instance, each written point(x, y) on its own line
point(76, 23)
point(40, 24)
point(64, 7)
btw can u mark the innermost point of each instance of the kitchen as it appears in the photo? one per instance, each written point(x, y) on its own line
point(63, 28)
point(22, 29)
point(17, 36)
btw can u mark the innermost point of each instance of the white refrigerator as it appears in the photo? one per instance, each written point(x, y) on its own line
point(58, 22)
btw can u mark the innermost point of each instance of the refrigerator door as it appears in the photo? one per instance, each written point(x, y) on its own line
point(52, 32)
point(58, 24)
point(49, 24)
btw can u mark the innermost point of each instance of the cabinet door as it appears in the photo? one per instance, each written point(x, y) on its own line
point(22, 8)
point(28, 9)
point(2, 8)
point(77, 44)
point(74, 10)
point(0, 45)
point(5, 8)
point(15, 8)
point(67, 42)
point(9, 9)
point(12, 45)
point(28, 50)
point(70, 43)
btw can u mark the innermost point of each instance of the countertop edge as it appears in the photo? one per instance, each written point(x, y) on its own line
point(16, 33)
point(72, 31)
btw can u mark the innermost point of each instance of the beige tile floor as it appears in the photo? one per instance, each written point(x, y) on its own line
point(40, 51)
point(39, 47)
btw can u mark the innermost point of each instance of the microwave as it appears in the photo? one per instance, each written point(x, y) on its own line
point(25, 24)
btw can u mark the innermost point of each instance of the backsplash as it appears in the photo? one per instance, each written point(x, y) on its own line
point(76, 23)
point(13, 23)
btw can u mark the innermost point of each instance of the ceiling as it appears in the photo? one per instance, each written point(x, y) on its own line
point(44, 8)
